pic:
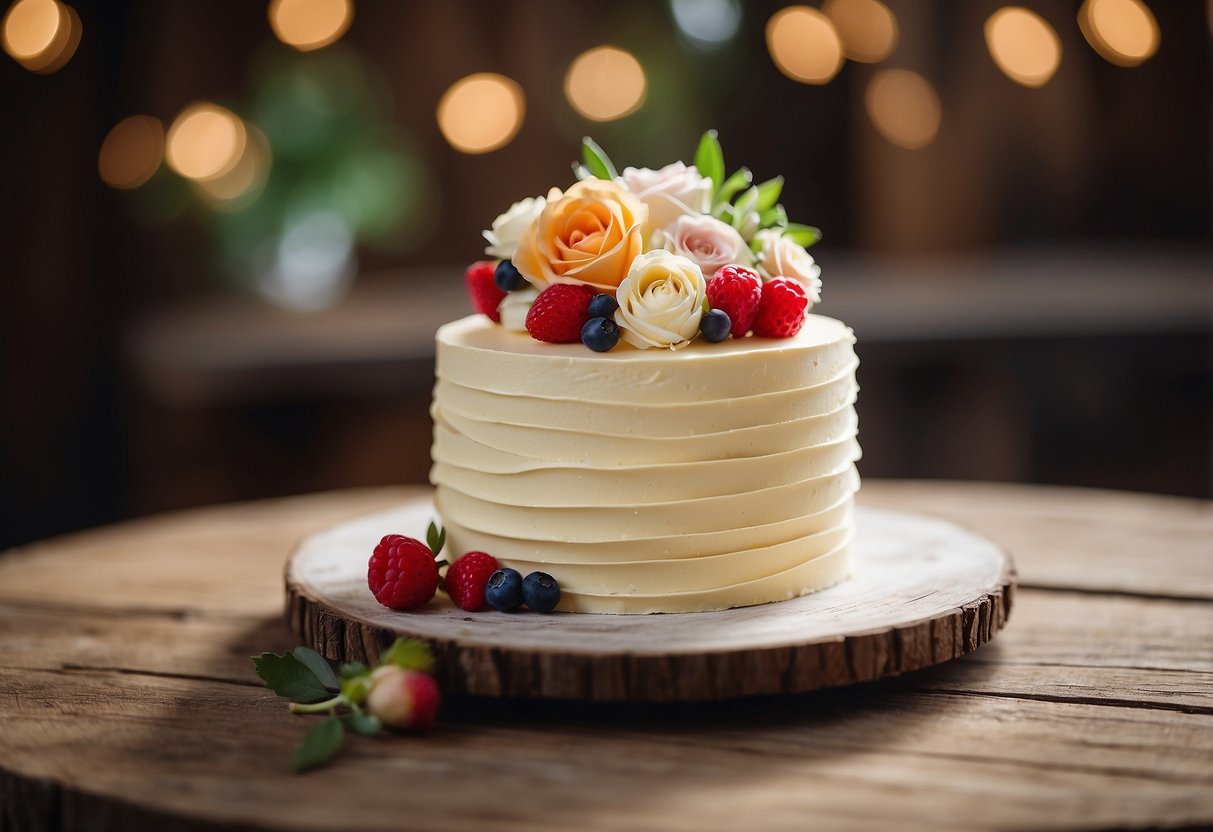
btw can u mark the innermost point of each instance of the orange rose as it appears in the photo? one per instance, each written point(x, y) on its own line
point(588, 235)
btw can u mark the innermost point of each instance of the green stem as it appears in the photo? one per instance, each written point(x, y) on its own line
point(318, 707)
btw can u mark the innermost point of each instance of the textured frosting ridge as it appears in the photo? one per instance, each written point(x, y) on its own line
point(717, 476)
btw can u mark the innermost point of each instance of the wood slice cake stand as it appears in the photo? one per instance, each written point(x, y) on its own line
point(923, 591)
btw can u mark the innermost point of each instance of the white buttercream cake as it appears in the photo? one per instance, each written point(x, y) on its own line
point(712, 476)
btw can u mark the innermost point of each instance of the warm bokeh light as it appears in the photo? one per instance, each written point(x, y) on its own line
point(867, 28)
point(604, 84)
point(904, 108)
point(310, 24)
point(1122, 31)
point(481, 112)
point(707, 23)
point(1023, 45)
point(205, 142)
point(804, 44)
point(242, 184)
point(131, 152)
point(41, 35)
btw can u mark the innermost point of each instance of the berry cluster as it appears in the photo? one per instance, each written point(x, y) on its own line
point(774, 309)
point(403, 575)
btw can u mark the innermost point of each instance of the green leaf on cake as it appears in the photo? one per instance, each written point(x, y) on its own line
point(709, 159)
point(744, 207)
point(319, 745)
point(739, 181)
point(409, 654)
point(773, 217)
point(581, 171)
point(805, 235)
point(596, 160)
point(290, 678)
point(318, 665)
point(768, 194)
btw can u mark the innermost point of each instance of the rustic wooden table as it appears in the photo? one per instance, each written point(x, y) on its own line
point(127, 698)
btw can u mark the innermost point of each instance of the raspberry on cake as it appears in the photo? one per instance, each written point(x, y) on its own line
point(624, 452)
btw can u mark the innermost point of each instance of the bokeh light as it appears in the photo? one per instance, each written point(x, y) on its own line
point(707, 23)
point(867, 28)
point(1122, 31)
point(481, 112)
point(605, 83)
point(243, 182)
point(804, 44)
point(904, 108)
point(1023, 45)
point(205, 142)
point(41, 35)
point(311, 266)
point(310, 24)
point(132, 152)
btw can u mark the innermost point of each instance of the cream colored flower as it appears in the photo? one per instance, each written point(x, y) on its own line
point(590, 235)
point(514, 306)
point(707, 242)
point(669, 193)
point(661, 301)
point(779, 256)
point(507, 228)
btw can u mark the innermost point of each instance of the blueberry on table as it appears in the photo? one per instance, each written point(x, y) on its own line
point(715, 325)
point(504, 590)
point(600, 334)
point(603, 306)
point(540, 592)
point(507, 277)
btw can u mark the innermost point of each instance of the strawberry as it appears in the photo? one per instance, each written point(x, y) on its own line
point(466, 578)
point(482, 288)
point(403, 699)
point(402, 573)
point(736, 291)
point(781, 310)
point(559, 313)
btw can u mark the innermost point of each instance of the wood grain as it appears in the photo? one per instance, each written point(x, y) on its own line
point(924, 591)
point(127, 699)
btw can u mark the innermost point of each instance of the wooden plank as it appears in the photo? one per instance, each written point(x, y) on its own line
point(218, 752)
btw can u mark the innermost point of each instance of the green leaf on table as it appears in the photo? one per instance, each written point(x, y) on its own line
point(709, 159)
point(356, 688)
point(286, 676)
point(319, 745)
point(319, 665)
point(351, 669)
point(409, 654)
point(362, 723)
point(804, 235)
point(740, 180)
point(596, 160)
point(435, 538)
point(768, 194)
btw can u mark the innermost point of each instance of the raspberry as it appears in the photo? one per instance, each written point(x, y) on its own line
point(736, 291)
point(781, 310)
point(405, 699)
point(559, 313)
point(402, 573)
point(482, 288)
point(466, 578)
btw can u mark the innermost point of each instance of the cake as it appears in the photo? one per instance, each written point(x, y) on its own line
point(645, 407)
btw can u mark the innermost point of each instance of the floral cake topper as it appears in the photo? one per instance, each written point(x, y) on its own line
point(655, 258)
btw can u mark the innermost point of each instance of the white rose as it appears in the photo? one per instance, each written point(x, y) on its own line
point(660, 301)
point(779, 256)
point(669, 193)
point(507, 228)
point(707, 242)
point(514, 306)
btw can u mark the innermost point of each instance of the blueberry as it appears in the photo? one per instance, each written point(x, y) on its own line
point(504, 589)
point(715, 325)
point(507, 277)
point(600, 334)
point(540, 592)
point(603, 306)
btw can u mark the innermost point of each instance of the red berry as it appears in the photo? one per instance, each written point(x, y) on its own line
point(466, 577)
point(559, 313)
point(405, 699)
point(402, 573)
point(781, 310)
point(427, 699)
point(482, 289)
point(736, 291)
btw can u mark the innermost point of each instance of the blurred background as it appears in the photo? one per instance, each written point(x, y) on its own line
point(230, 228)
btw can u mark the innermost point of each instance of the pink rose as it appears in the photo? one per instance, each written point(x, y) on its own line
point(668, 193)
point(779, 256)
point(707, 242)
